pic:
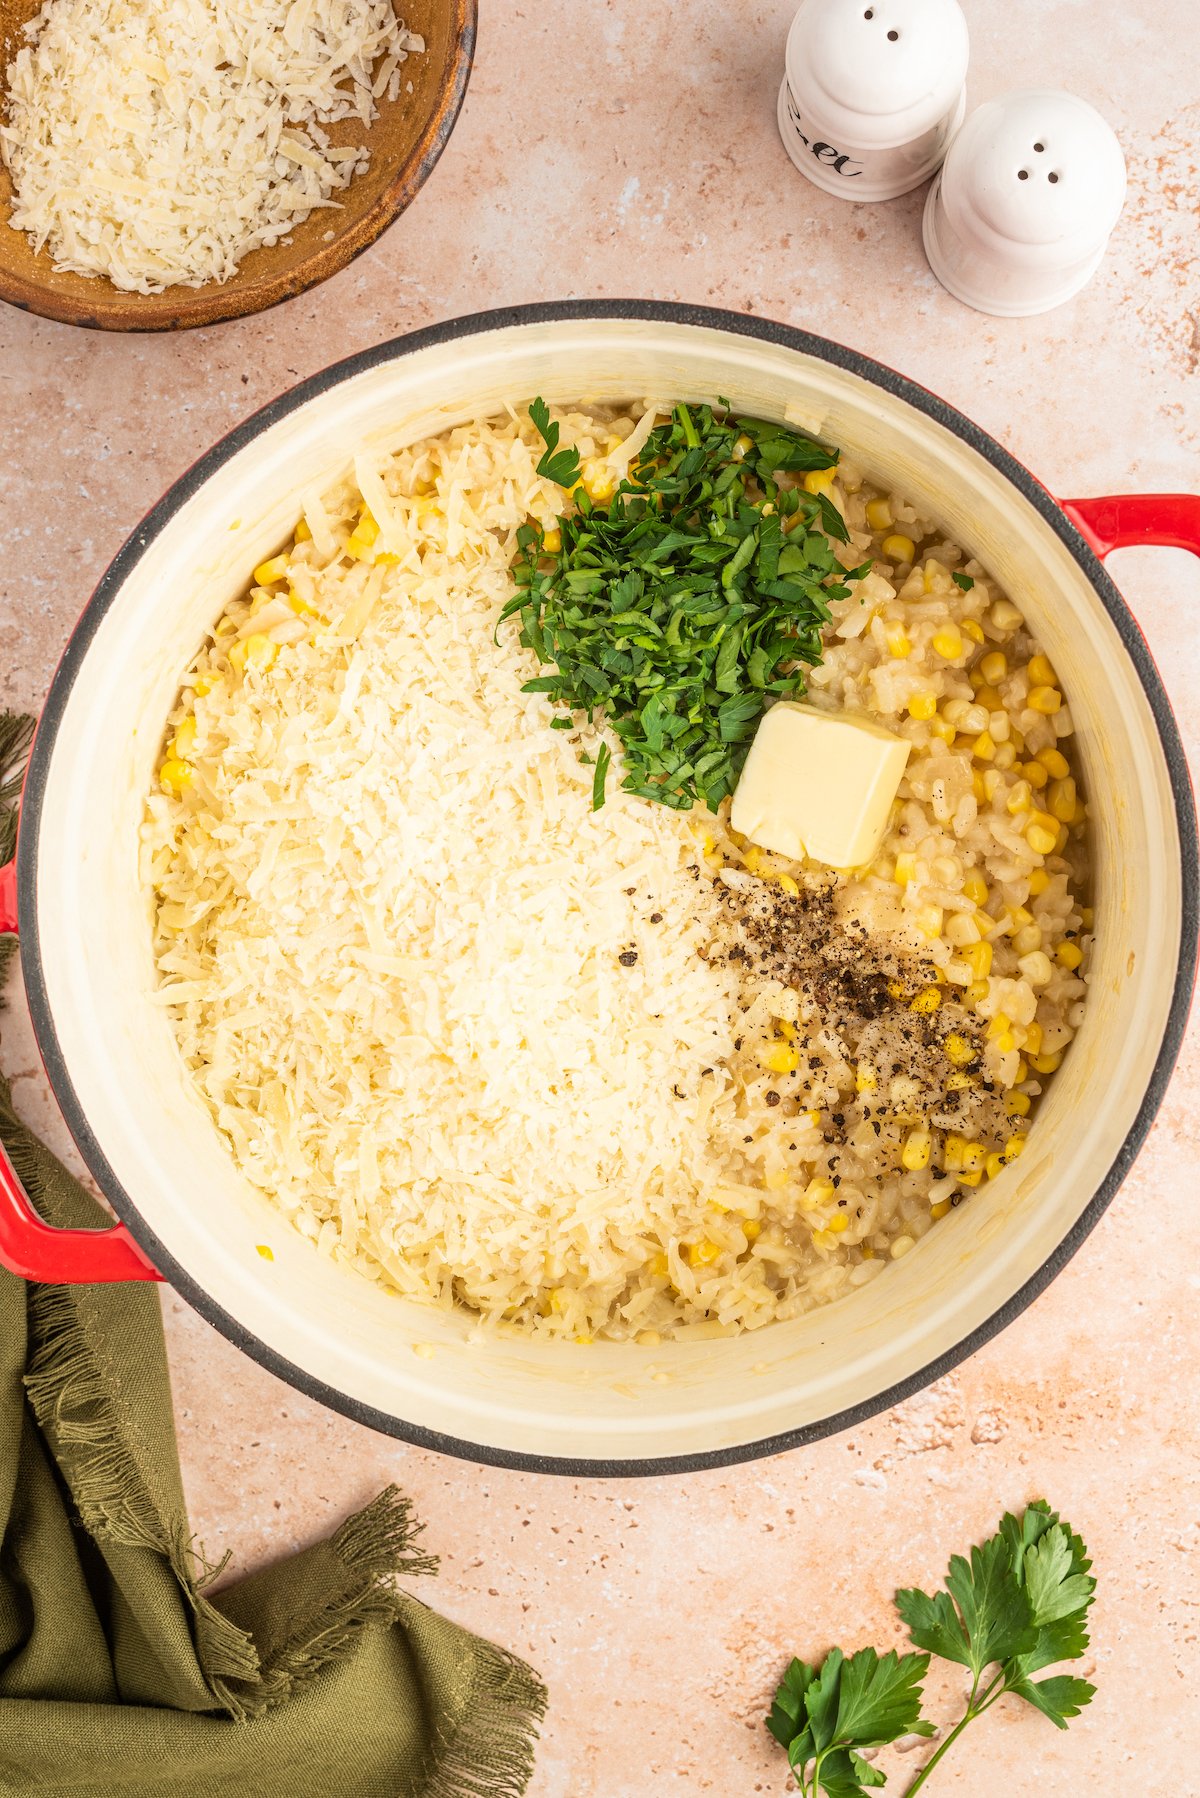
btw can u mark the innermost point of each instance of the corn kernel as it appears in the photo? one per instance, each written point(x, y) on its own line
point(819, 1190)
point(906, 867)
point(994, 1165)
point(978, 787)
point(659, 1266)
point(782, 1059)
point(1039, 880)
point(701, 1254)
point(1046, 700)
point(184, 740)
point(918, 1146)
point(948, 642)
point(939, 728)
point(1054, 762)
point(879, 514)
point(742, 447)
point(175, 775)
point(926, 1001)
point(1069, 956)
point(922, 705)
point(1046, 1064)
point(978, 957)
point(1087, 917)
point(302, 532)
point(1027, 939)
point(898, 548)
point(977, 992)
point(973, 630)
point(1033, 1038)
point(789, 885)
point(552, 540)
point(1022, 1072)
point(1041, 673)
point(267, 573)
point(999, 1026)
point(864, 1078)
point(787, 1031)
point(992, 783)
point(838, 1223)
point(1019, 798)
point(994, 667)
point(940, 1209)
point(751, 1229)
point(898, 641)
point(971, 1179)
point(975, 887)
point(989, 699)
point(599, 480)
point(260, 651)
point(1013, 1147)
point(1061, 800)
point(1017, 1104)
point(929, 920)
point(960, 1082)
point(814, 1118)
point(1041, 840)
point(237, 655)
point(820, 480)
point(952, 1153)
point(984, 747)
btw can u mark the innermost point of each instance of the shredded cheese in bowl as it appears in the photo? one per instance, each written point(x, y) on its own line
point(158, 145)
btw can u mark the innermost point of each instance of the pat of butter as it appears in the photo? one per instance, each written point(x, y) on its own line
point(818, 784)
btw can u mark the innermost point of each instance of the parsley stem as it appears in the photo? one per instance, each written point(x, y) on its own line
point(968, 1716)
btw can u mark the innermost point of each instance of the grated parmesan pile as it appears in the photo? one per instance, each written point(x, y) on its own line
point(159, 144)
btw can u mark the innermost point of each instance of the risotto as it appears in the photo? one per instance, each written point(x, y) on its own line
point(615, 1072)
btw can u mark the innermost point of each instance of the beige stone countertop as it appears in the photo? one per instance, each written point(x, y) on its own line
point(617, 148)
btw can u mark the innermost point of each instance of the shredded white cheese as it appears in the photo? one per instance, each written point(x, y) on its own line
point(159, 144)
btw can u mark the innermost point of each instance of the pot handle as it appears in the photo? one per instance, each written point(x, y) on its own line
point(1119, 520)
point(29, 1246)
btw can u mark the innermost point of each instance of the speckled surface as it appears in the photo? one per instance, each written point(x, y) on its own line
point(623, 149)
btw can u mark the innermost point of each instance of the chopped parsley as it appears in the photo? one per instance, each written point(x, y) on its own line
point(1017, 1606)
point(680, 607)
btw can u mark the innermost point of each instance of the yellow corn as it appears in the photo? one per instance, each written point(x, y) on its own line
point(302, 532)
point(940, 1209)
point(1017, 1104)
point(820, 480)
point(301, 606)
point(742, 447)
point(978, 957)
point(1041, 673)
point(659, 1266)
point(782, 1059)
point(1069, 956)
point(879, 514)
point(952, 1153)
point(971, 1179)
point(260, 651)
point(789, 885)
point(175, 775)
point(838, 1223)
point(1054, 762)
point(237, 655)
point(751, 1229)
point(938, 727)
point(999, 1026)
point(700, 1254)
point(1087, 917)
point(975, 887)
point(1022, 1071)
point(918, 1145)
point(1039, 880)
point(1019, 798)
point(787, 1031)
point(984, 747)
point(898, 641)
point(1046, 700)
point(1040, 840)
point(1046, 1064)
point(552, 540)
point(960, 1082)
point(184, 740)
point(906, 867)
point(989, 699)
point(994, 667)
point(898, 547)
point(972, 630)
point(994, 1165)
point(1013, 1147)
point(1033, 1038)
point(864, 1078)
point(974, 1156)
point(1027, 939)
point(948, 642)
point(1005, 616)
point(977, 992)
point(819, 1190)
point(600, 481)
point(929, 920)
point(1061, 800)
point(926, 1001)
point(267, 573)
point(922, 705)
point(992, 783)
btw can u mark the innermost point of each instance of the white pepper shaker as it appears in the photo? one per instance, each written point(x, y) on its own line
point(872, 92)
point(1020, 216)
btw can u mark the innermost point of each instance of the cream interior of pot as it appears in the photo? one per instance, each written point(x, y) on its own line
point(601, 1401)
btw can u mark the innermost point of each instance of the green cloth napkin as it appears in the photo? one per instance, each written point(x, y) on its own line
point(120, 1673)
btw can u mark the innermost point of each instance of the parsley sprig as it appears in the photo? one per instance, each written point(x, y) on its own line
point(679, 608)
point(1019, 1604)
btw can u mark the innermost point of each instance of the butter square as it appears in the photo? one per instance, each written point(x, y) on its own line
point(819, 784)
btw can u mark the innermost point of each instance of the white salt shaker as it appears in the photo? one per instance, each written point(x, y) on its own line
point(873, 92)
point(1020, 216)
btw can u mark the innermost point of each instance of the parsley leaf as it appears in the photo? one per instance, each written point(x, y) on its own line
point(562, 468)
point(679, 608)
point(965, 581)
point(1017, 1604)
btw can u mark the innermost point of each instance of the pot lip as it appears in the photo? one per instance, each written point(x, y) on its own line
point(600, 311)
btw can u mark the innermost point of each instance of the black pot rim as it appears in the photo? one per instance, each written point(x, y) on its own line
point(478, 324)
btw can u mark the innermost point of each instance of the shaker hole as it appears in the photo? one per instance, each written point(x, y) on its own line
point(1052, 177)
point(870, 13)
point(1022, 174)
point(893, 36)
point(1039, 148)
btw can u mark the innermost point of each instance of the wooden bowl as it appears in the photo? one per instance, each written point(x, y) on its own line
point(405, 141)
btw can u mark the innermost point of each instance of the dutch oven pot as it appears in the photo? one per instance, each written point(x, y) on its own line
point(109, 1051)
